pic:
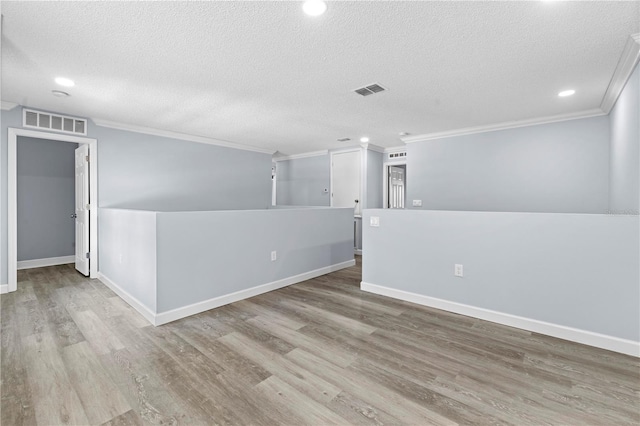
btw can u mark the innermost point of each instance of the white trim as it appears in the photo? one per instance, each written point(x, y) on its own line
point(624, 69)
point(303, 155)
point(196, 308)
point(603, 341)
point(505, 126)
point(343, 150)
point(395, 149)
point(7, 106)
point(49, 261)
point(177, 135)
point(372, 147)
point(358, 252)
point(4, 288)
point(132, 301)
point(12, 241)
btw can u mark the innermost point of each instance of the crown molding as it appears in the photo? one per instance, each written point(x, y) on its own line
point(372, 147)
point(177, 135)
point(395, 149)
point(505, 126)
point(7, 106)
point(303, 155)
point(624, 69)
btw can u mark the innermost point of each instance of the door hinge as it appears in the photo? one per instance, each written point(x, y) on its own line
point(88, 255)
point(86, 158)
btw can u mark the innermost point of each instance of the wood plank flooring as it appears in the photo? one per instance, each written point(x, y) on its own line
point(317, 353)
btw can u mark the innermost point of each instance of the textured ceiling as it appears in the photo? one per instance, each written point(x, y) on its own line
point(264, 74)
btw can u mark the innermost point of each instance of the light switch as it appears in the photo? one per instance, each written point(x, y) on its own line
point(374, 221)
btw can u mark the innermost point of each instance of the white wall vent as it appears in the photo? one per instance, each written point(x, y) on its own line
point(59, 123)
point(370, 90)
point(395, 155)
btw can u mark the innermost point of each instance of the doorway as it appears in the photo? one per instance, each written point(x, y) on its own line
point(395, 185)
point(91, 208)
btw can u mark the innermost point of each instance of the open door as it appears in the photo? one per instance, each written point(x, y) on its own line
point(82, 209)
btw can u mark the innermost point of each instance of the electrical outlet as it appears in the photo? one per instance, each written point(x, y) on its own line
point(274, 256)
point(458, 271)
point(417, 203)
point(374, 221)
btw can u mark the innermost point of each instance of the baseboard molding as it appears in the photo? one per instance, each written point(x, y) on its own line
point(196, 308)
point(135, 303)
point(4, 288)
point(615, 344)
point(49, 261)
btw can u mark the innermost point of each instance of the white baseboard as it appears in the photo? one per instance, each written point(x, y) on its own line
point(49, 261)
point(135, 303)
point(615, 344)
point(4, 288)
point(196, 308)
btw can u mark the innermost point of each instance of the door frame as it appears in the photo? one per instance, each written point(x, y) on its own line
point(385, 180)
point(12, 199)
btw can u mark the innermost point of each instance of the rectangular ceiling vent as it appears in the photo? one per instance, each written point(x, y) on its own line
point(397, 155)
point(56, 122)
point(344, 139)
point(370, 90)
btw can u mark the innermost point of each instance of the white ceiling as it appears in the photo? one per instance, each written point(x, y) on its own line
point(266, 75)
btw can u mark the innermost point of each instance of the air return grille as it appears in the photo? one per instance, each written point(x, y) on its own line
point(56, 122)
point(370, 90)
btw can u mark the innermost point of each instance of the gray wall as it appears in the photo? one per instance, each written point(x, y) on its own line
point(574, 270)
point(149, 172)
point(560, 167)
point(374, 198)
point(157, 173)
point(46, 198)
point(300, 182)
point(202, 255)
point(128, 252)
point(624, 182)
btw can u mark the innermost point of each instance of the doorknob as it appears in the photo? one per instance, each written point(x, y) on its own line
point(74, 216)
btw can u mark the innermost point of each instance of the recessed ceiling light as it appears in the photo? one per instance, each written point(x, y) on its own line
point(314, 7)
point(565, 93)
point(64, 82)
point(364, 139)
point(60, 93)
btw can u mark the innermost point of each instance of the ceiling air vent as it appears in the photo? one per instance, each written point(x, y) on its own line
point(370, 90)
point(56, 122)
point(344, 139)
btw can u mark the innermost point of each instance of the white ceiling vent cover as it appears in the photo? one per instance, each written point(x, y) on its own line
point(370, 90)
point(56, 122)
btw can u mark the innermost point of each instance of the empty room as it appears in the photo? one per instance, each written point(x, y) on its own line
point(320, 212)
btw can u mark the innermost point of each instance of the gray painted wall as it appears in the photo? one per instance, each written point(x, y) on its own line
point(46, 198)
point(157, 173)
point(374, 198)
point(560, 167)
point(624, 182)
point(575, 270)
point(301, 182)
point(202, 255)
point(127, 241)
point(147, 172)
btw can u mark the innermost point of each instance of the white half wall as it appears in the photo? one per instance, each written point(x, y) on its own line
point(567, 271)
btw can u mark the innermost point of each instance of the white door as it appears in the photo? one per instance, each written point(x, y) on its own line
point(82, 209)
point(396, 187)
point(345, 180)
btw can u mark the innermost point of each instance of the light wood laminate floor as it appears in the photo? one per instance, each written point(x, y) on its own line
point(316, 353)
